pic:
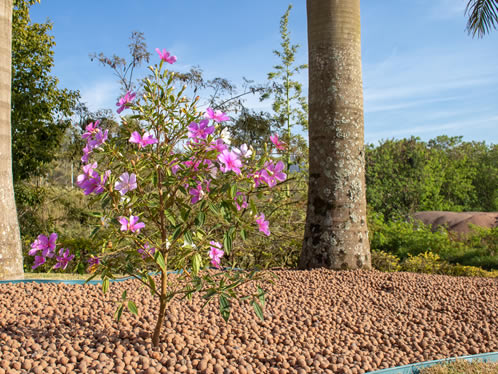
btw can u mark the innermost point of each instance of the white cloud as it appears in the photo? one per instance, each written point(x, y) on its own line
point(100, 94)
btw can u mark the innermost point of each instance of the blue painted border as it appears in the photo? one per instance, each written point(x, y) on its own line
point(83, 281)
point(415, 368)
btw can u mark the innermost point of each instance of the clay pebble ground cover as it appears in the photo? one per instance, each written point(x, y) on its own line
point(317, 321)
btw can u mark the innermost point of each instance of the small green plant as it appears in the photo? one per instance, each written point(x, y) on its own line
point(384, 261)
point(426, 262)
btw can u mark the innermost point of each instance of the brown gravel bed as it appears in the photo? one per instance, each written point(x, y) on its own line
point(317, 321)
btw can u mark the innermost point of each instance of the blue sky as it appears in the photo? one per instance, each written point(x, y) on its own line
point(423, 75)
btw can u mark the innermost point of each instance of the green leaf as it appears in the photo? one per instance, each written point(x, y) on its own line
point(257, 309)
point(196, 263)
point(187, 235)
point(123, 295)
point(243, 234)
point(227, 243)
point(201, 218)
point(158, 257)
point(105, 285)
point(252, 205)
point(261, 296)
point(118, 312)
point(224, 307)
point(233, 191)
point(152, 285)
point(177, 232)
point(214, 209)
point(209, 293)
point(184, 214)
point(170, 217)
point(132, 308)
point(94, 231)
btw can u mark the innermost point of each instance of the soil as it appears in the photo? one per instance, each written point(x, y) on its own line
point(317, 321)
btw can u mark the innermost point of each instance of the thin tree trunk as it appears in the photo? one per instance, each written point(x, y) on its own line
point(11, 265)
point(336, 234)
point(162, 310)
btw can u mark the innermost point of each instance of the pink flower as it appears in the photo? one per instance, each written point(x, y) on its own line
point(256, 178)
point(216, 116)
point(165, 56)
point(263, 225)
point(175, 168)
point(218, 145)
point(45, 245)
point(94, 260)
point(273, 173)
point(63, 259)
point(92, 182)
point(39, 260)
point(230, 161)
point(244, 201)
point(131, 225)
point(147, 250)
point(200, 130)
point(100, 138)
point(122, 103)
point(215, 253)
point(280, 145)
point(91, 129)
point(142, 141)
point(197, 193)
point(127, 183)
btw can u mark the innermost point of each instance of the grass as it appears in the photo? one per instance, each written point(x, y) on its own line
point(463, 367)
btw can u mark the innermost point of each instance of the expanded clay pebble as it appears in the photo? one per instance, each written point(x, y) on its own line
point(317, 321)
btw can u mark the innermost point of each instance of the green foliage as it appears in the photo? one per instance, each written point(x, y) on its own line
point(408, 240)
point(251, 128)
point(426, 262)
point(47, 209)
point(289, 104)
point(408, 175)
point(384, 261)
point(38, 105)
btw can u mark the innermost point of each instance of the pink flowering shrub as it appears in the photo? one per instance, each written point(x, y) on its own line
point(157, 200)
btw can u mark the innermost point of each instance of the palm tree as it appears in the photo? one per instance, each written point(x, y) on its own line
point(336, 234)
point(11, 265)
point(483, 15)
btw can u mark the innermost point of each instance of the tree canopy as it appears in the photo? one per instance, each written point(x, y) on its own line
point(40, 109)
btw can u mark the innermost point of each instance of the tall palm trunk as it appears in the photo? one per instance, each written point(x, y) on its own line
point(336, 234)
point(11, 265)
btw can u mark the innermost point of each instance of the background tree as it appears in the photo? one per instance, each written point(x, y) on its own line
point(336, 234)
point(289, 104)
point(483, 15)
point(39, 108)
point(11, 264)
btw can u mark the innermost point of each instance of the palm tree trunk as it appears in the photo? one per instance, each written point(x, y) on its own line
point(336, 234)
point(11, 265)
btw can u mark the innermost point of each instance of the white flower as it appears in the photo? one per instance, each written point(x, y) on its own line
point(225, 135)
point(244, 151)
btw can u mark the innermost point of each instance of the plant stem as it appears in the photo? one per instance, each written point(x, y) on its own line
point(162, 309)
